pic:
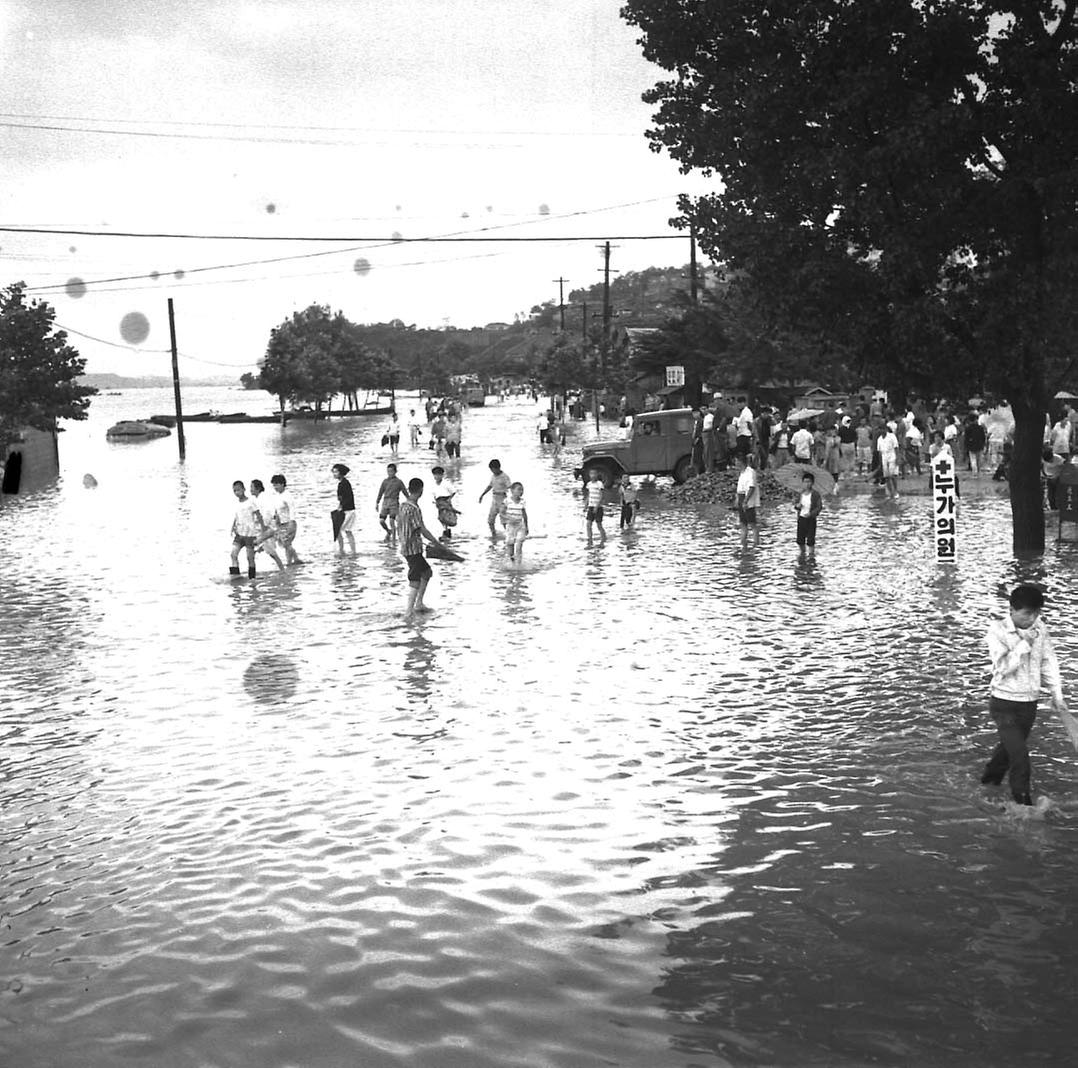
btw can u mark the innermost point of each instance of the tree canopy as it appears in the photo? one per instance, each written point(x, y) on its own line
point(39, 370)
point(898, 177)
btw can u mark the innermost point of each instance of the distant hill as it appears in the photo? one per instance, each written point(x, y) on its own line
point(111, 381)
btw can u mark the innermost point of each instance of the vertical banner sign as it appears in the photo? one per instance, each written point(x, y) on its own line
point(944, 509)
point(675, 375)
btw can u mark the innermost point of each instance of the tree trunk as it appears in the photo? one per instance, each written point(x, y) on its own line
point(1024, 478)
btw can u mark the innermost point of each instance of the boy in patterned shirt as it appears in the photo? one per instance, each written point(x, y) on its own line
point(411, 532)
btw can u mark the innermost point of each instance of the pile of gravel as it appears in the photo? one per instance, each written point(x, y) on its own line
point(720, 487)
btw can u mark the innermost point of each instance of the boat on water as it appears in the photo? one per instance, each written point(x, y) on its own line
point(310, 413)
point(243, 417)
point(196, 417)
point(136, 430)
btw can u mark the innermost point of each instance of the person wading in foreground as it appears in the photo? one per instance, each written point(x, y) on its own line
point(1022, 661)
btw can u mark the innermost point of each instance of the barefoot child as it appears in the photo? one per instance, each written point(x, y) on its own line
point(497, 488)
point(443, 491)
point(389, 498)
point(748, 500)
point(808, 506)
point(516, 524)
point(267, 539)
point(1023, 661)
point(246, 526)
point(411, 532)
point(593, 496)
point(284, 516)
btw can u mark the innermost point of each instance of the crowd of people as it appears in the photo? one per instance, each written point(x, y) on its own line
point(875, 442)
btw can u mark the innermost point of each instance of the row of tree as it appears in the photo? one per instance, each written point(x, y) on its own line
point(899, 183)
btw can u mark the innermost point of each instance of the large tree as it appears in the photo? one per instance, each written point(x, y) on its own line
point(899, 174)
point(39, 370)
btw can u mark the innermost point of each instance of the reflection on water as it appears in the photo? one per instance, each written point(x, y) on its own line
point(662, 802)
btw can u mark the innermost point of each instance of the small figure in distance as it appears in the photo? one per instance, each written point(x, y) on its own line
point(516, 524)
point(748, 499)
point(346, 504)
point(593, 497)
point(412, 532)
point(808, 506)
point(497, 488)
point(413, 429)
point(389, 498)
point(246, 526)
point(1022, 661)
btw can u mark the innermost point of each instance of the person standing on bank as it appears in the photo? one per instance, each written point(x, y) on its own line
point(808, 506)
point(1023, 661)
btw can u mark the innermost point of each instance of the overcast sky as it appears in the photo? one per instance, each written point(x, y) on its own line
point(344, 118)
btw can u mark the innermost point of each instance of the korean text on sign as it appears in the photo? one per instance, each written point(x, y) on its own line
point(944, 508)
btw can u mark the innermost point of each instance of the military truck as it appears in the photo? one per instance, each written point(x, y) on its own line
point(660, 444)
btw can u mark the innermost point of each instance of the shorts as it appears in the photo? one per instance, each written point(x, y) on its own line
point(889, 468)
point(864, 454)
point(628, 511)
point(452, 448)
point(595, 515)
point(418, 568)
point(806, 531)
point(514, 533)
point(286, 533)
point(747, 516)
point(744, 444)
point(497, 507)
point(349, 521)
point(389, 508)
point(244, 541)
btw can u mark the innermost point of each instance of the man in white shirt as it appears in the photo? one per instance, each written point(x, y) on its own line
point(888, 450)
point(284, 518)
point(801, 443)
point(1023, 661)
point(744, 431)
point(748, 499)
point(707, 437)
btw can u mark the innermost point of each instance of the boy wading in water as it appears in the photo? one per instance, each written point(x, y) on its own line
point(389, 498)
point(497, 488)
point(411, 531)
point(630, 505)
point(593, 497)
point(808, 507)
point(247, 525)
point(267, 540)
point(1022, 662)
point(516, 524)
point(748, 500)
point(284, 514)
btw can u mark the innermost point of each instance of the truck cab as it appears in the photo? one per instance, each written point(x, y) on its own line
point(660, 444)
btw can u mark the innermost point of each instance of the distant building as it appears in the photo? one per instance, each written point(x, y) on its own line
point(821, 398)
point(496, 326)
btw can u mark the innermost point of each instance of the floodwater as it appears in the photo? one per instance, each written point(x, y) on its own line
point(658, 803)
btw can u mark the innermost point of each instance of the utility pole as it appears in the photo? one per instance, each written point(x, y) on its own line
point(692, 262)
point(176, 382)
point(561, 300)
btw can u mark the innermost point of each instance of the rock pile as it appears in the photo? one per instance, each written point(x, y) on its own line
point(720, 487)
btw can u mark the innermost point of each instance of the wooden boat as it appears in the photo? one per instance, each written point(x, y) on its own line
point(136, 430)
point(243, 417)
point(310, 413)
point(196, 417)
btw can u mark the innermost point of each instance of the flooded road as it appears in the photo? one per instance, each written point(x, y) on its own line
point(656, 803)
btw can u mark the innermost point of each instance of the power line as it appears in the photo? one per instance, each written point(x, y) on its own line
point(330, 252)
point(367, 239)
point(316, 129)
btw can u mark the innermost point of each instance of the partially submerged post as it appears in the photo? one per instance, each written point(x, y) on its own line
point(176, 381)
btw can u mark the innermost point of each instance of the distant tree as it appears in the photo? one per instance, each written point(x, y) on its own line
point(250, 381)
point(38, 369)
point(303, 360)
point(898, 175)
point(566, 365)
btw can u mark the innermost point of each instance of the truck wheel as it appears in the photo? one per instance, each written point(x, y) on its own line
point(683, 470)
point(607, 474)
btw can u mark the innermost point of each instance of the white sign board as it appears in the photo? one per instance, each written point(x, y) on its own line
point(944, 508)
point(675, 376)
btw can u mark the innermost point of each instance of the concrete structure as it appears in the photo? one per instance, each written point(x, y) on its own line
point(32, 462)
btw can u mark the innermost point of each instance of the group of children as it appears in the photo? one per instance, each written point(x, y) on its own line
point(263, 526)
